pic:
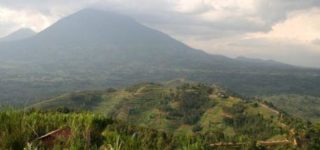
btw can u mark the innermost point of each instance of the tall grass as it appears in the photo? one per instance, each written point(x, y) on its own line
point(19, 130)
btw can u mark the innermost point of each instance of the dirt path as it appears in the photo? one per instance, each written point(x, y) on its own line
point(265, 143)
point(139, 91)
point(274, 142)
point(269, 108)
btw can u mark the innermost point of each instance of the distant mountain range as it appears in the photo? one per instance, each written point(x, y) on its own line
point(18, 35)
point(113, 38)
point(94, 49)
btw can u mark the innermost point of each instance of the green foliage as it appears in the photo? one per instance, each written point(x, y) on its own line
point(89, 131)
point(21, 130)
point(313, 136)
point(185, 109)
point(253, 126)
point(18, 128)
point(303, 106)
point(192, 99)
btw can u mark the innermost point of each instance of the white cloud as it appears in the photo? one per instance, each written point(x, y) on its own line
point(214, 10)
point(301, 26)
point(192, 6)
point(286, 52)
point(24, 19)
point(294, 41)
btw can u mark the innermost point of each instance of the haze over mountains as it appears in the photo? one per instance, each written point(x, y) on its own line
point(20, 34)
point(94, 49)
point(98, 32)
point(109, 37)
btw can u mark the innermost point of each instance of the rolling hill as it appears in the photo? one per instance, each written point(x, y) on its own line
point(182, 109)
point(176, 114)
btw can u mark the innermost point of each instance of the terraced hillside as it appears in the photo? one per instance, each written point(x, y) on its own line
point(185, 109)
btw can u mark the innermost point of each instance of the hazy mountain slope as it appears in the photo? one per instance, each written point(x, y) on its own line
point(18, 35)
point(185, 109)
point(109, 37)
point(99, 35)
point(303, 106)
point(94, 49)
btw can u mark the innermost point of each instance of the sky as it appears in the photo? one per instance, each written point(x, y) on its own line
point(283, 30)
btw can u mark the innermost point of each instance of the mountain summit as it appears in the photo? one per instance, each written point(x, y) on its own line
point(94, 26)
point(112, 38)
point(100, 34)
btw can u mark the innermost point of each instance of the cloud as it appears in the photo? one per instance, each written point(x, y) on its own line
point(192, 6)
point(217, 10)
point(203, 19)
point(316, 42)
point(273, 11)
point(294, 40)
point(301, 26)
point(292, 53)
point(43, 13)
point(14, 19)
point(232, 16)
point(286, 52)
point(247, 14)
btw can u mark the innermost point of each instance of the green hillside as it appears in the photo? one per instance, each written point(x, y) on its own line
point(303, 106)
point(31, 130)
point(183, 109)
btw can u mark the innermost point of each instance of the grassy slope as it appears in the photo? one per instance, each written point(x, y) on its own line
point(23, 129)
point(144, 104)
point(306, 107)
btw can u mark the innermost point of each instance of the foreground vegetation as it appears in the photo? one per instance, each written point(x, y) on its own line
point(88, 131)
point(174, 115)
point(179, 108)
point(20, 130)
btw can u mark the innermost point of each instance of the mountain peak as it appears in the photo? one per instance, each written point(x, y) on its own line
point(96, 26)
point(90, 13)
point(20, 34)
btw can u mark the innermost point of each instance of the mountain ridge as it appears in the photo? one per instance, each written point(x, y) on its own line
point(73, 29)
point(19, 34)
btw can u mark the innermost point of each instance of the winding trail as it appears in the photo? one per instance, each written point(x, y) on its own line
point(264, 143)
point(269, 108)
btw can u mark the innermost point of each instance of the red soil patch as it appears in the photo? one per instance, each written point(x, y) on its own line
point(50, 138)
